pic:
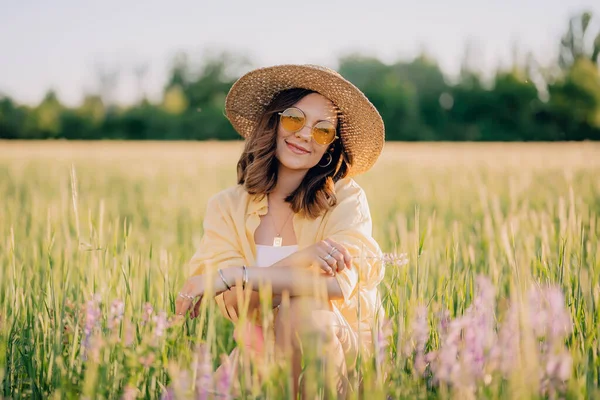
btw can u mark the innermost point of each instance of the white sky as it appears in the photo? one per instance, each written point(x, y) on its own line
point(59, 43)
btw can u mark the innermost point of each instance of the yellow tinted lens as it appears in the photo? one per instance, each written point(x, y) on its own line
point(324, 132)
point(292, 120)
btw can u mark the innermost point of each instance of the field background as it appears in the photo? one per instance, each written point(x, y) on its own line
point(120, 219)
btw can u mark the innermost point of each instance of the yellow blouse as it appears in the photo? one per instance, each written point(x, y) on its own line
point(233, 215)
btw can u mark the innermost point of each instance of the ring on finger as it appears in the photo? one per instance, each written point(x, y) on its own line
point(327, 257)
point(186, 296)
point(333, 250)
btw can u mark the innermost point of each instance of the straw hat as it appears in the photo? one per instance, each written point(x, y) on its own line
point(362, 130)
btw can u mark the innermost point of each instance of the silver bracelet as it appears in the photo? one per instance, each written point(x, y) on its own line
point(223, 279)
point(244, 276)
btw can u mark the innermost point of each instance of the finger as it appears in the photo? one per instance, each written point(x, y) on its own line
point(331, 242)
point(342, 249)
point(178, 306)
point(334, 245)
point(196, 309)
point(331, 261)
point(341, 264)
point(331, 258)
point(325, 266)
point(181, 306)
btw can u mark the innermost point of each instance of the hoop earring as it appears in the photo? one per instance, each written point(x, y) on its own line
point(328, 162)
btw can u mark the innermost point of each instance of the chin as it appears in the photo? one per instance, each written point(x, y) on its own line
point(293, 163)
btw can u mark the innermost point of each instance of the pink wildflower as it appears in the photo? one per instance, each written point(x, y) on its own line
point(117, 308)
point(92, 321)
point(420, 328)
point(147, 313)
point(130, 393)
point(204, 378)
point(161, 324)
point(467, 340)
point(225, 379)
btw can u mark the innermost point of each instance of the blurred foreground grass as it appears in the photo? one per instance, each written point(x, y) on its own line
point(94, 238)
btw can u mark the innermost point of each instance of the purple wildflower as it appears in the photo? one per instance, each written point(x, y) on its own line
point(471, 351)
point(467, 341)
point(420, 328)
point(383, 337)
point(225, 380)
point(130, 393)
point(179, 387)
point(117, 309)
point(549, 303)
point(168, 394)
point(161, 324)
point(204, 378)
point(147, 360)
point(147, 313)
point(384, 334)
point(505, 354)
point(479, 331)
point(561, 324)
point(92, 320)
point(444, 322)
point(128, 335)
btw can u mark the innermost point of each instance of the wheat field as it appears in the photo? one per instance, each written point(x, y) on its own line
point(500, 297)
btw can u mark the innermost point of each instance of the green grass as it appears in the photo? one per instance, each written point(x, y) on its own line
point(120, 220)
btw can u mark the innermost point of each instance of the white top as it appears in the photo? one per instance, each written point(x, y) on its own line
point(269, 255)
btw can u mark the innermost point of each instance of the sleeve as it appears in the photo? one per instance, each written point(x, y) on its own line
point(350, 224)
point(219, 246)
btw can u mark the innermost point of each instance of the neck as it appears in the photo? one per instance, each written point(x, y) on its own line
point(287, 181)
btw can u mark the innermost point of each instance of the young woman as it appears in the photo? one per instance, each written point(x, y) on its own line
point(296, 220)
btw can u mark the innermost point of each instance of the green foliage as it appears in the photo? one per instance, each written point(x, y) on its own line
point(414, 97)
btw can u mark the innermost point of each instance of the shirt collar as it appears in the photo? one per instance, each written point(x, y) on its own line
point(257, 204)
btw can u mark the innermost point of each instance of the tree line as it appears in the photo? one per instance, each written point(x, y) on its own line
point(524, 102)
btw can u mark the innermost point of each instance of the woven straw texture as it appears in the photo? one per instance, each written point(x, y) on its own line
point(362, 130)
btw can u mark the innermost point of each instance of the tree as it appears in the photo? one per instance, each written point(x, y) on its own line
point(12, 119)
point(575, 44)
point(47, 116)
point(393, 96)
point(575, 101)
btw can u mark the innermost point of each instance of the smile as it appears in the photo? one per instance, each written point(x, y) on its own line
point(295, 149)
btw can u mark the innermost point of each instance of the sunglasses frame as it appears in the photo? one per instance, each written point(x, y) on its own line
point(312, 135)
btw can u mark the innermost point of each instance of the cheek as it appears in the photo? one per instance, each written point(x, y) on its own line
point(319, 152)
point(280, 141)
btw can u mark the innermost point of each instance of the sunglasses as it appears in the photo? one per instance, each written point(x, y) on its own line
point(293, 120)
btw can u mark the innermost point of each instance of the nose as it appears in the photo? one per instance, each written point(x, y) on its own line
point(304, 133)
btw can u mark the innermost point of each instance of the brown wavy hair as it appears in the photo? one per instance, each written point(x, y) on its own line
point(257, 167)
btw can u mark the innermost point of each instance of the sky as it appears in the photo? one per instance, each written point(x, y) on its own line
point(61, 44)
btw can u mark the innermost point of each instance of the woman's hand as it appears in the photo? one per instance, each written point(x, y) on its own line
point(193, 291)
point(327, 254)
point(187, 297)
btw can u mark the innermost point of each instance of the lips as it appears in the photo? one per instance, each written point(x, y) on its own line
point(297, 149)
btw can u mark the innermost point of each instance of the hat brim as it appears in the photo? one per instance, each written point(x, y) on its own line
point(362, 130)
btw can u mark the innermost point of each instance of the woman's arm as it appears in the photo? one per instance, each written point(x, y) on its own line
point(295, 281)
point(301, 273)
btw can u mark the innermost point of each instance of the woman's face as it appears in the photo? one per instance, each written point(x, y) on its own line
point(298, 151)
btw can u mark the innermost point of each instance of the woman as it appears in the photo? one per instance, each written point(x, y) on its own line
point(297, 211)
